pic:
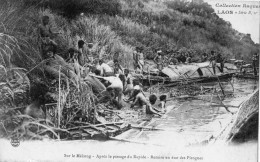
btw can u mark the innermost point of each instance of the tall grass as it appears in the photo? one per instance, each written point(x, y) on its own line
point(18, 33)
point(18, 54)
point(19, 47)
point(106, 42)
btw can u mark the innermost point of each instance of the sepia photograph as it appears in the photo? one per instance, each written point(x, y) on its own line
point(129, 80)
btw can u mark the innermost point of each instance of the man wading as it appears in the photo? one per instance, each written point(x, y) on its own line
point(141, 100)
point(255, 62)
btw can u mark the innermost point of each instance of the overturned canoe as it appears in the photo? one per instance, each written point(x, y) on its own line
point(245, 127)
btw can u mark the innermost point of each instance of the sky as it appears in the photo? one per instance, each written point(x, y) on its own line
point(248, 22)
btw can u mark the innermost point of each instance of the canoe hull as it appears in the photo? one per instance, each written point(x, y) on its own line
point(151, 80)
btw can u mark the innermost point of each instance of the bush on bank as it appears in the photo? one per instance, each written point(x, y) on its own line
point(72, 8)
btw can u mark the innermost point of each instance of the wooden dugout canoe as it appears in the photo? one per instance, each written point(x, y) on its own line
point(194, 72)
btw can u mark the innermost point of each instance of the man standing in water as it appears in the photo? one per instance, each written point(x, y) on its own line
point(255, 62)
point(163, 102)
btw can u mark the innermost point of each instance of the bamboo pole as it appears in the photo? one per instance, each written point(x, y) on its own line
point(59, 108)
point(94, 126)
point(95, 117)
point(222, 90)
point(113, 112)
point(146, 128)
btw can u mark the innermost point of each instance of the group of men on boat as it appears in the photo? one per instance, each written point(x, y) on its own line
point(169, 57)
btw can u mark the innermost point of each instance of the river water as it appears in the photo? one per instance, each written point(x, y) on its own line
point(186, 123)
point(190, 121)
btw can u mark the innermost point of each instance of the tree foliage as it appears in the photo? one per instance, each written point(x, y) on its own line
point(72, 8)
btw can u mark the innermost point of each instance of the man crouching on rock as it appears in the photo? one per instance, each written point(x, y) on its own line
point(141, 100)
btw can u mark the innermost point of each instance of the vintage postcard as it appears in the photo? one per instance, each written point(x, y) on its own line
point(129, 80)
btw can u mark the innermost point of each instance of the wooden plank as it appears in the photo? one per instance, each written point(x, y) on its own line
point(97, 125)
point(147, 128)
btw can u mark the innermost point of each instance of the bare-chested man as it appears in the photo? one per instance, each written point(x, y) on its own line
point(141, 100)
